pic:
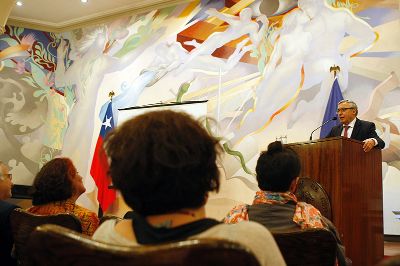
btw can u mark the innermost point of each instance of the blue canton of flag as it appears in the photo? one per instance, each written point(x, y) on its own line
point(330, 111)
point(108, 121)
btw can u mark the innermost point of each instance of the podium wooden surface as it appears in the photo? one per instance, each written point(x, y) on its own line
point(353, 180)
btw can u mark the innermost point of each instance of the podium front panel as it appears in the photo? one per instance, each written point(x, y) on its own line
point(353, 181)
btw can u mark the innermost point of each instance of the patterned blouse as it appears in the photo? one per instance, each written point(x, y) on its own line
point(89, 219)
point(305, 215)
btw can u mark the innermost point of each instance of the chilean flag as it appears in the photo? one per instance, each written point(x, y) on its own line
point(99, 168)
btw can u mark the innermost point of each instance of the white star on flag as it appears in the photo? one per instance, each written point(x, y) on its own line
point(107, 123)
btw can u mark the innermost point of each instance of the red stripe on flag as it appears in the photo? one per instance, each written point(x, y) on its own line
point(98, 170)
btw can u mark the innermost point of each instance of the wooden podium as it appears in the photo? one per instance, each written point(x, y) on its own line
point(353, 180)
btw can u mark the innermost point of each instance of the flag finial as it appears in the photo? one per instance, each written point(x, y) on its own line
point(111, 95)
point(335, 69)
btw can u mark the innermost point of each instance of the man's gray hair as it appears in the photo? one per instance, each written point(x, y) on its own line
point(352, 104)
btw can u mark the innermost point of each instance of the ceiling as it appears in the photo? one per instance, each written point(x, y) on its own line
point(62, 15)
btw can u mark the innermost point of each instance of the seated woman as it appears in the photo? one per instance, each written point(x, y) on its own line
point(164, 164)
point(275, 206)
point(56, 188)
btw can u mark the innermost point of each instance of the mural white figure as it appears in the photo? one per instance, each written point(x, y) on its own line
point(275, 89)
point(212, 65)
point(168, 57)
point(129, 94)
point(86, 74)
point(310, 37)
point(329, 27)
point(238, 26)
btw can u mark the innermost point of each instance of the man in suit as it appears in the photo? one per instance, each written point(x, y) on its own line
point(6, 240)
point(354, 128)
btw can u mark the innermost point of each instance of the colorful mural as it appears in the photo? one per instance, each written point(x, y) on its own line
point(34, 113)
point(264, 67)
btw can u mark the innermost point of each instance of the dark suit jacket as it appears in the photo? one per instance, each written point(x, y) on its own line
point(362, 130)
point(6, 240)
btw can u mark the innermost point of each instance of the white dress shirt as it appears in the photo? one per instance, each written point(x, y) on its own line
point(350, 131)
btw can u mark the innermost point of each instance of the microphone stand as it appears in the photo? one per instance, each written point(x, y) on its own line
point(323, 124)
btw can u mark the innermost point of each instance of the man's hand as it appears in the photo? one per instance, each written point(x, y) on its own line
point(369, 144)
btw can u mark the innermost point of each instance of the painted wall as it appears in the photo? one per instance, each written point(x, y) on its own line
point(265, 74)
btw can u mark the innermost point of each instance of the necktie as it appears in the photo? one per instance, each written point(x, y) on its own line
point(346, 128)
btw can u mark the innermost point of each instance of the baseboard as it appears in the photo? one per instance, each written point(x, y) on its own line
point(391, 238)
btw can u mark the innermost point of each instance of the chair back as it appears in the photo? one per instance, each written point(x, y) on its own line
point(109, 217)
point(310, 191)
point(23, 223)
point(311, 247)
point(54, 245)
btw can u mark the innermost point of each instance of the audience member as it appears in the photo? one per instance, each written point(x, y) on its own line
point(6, 239)
point(275, 206)
point(164, 164)
point(56, 188)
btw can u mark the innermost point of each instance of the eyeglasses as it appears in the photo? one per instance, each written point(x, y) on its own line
point(4, 176)
point(341, 110)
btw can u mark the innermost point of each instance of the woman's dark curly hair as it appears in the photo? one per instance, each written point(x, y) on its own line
point(163, 161)
point(277, 167)
point(53, 182)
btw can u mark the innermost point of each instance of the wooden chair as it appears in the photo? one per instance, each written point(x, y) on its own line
point(54, 245)
point(23, 223)
point(310, 191)
point(391, 261)
point(311, 247)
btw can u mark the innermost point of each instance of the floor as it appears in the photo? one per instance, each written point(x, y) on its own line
point(391, 248)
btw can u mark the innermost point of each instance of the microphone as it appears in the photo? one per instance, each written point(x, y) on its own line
point(323, 124)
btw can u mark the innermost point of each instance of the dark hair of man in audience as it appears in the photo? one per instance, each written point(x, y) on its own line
point(277, 167)
point(53, 182)
point(163, 161)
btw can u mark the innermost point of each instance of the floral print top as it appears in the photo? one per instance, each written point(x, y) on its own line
point(305, 215)
point(88, 219)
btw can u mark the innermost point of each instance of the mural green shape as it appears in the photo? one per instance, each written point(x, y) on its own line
point(131, 43)
point(183, 89)
point(239, 155)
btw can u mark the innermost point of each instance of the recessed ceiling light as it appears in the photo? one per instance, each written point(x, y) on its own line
point(19, 3)
point(84, 1)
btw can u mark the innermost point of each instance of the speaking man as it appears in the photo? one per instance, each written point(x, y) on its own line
point(354, 128)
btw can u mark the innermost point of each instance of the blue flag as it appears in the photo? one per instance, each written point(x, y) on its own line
point(330, 111)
